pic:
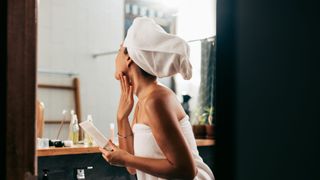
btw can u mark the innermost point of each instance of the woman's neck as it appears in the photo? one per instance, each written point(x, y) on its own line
point(142, 86)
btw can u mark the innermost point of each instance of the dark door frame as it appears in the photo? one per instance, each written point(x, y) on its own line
point(225, 90)
point(18, 73)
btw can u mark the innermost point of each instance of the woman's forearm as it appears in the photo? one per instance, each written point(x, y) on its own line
point(126, 136)
point(158, 167)
point(124, 130)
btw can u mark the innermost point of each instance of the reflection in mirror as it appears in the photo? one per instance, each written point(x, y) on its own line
point(77, 45)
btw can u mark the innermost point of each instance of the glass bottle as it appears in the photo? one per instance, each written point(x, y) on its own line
point(74, 129)
point(87, 139)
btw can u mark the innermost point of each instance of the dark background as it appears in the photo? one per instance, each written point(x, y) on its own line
point(267, 90)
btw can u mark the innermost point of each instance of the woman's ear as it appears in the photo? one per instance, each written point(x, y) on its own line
point(129, 61)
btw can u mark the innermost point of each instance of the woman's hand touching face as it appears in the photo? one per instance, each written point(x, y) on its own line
point(126, 100)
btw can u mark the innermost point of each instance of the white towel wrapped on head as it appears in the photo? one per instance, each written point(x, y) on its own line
point(155, 51)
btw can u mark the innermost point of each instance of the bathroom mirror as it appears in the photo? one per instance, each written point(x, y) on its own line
point(77, 46)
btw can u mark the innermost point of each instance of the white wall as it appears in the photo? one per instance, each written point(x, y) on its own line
point(69, 32)
point(196, 19)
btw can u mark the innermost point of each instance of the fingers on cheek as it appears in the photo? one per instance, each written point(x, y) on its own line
point(125, 80)
point(120, 79)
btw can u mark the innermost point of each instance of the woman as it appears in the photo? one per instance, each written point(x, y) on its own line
point(160, 142)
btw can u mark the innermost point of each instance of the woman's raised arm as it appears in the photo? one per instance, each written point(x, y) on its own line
point(125, 135)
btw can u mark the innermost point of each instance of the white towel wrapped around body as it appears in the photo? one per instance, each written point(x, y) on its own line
point(145, 145)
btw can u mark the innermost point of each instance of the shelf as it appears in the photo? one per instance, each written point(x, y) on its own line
point(205, 142)
point(77, 149)
point(81, 149)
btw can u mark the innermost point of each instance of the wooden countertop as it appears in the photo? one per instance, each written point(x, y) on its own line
point(81, 149)
point(76, 149)
point(205, 142)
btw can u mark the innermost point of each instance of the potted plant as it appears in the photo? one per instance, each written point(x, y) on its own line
point(203, 126)
point(198, 125)
point(208, 113)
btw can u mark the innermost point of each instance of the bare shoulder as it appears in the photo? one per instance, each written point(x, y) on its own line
point(163, 101)
point(160, 95)
point(163, 110)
